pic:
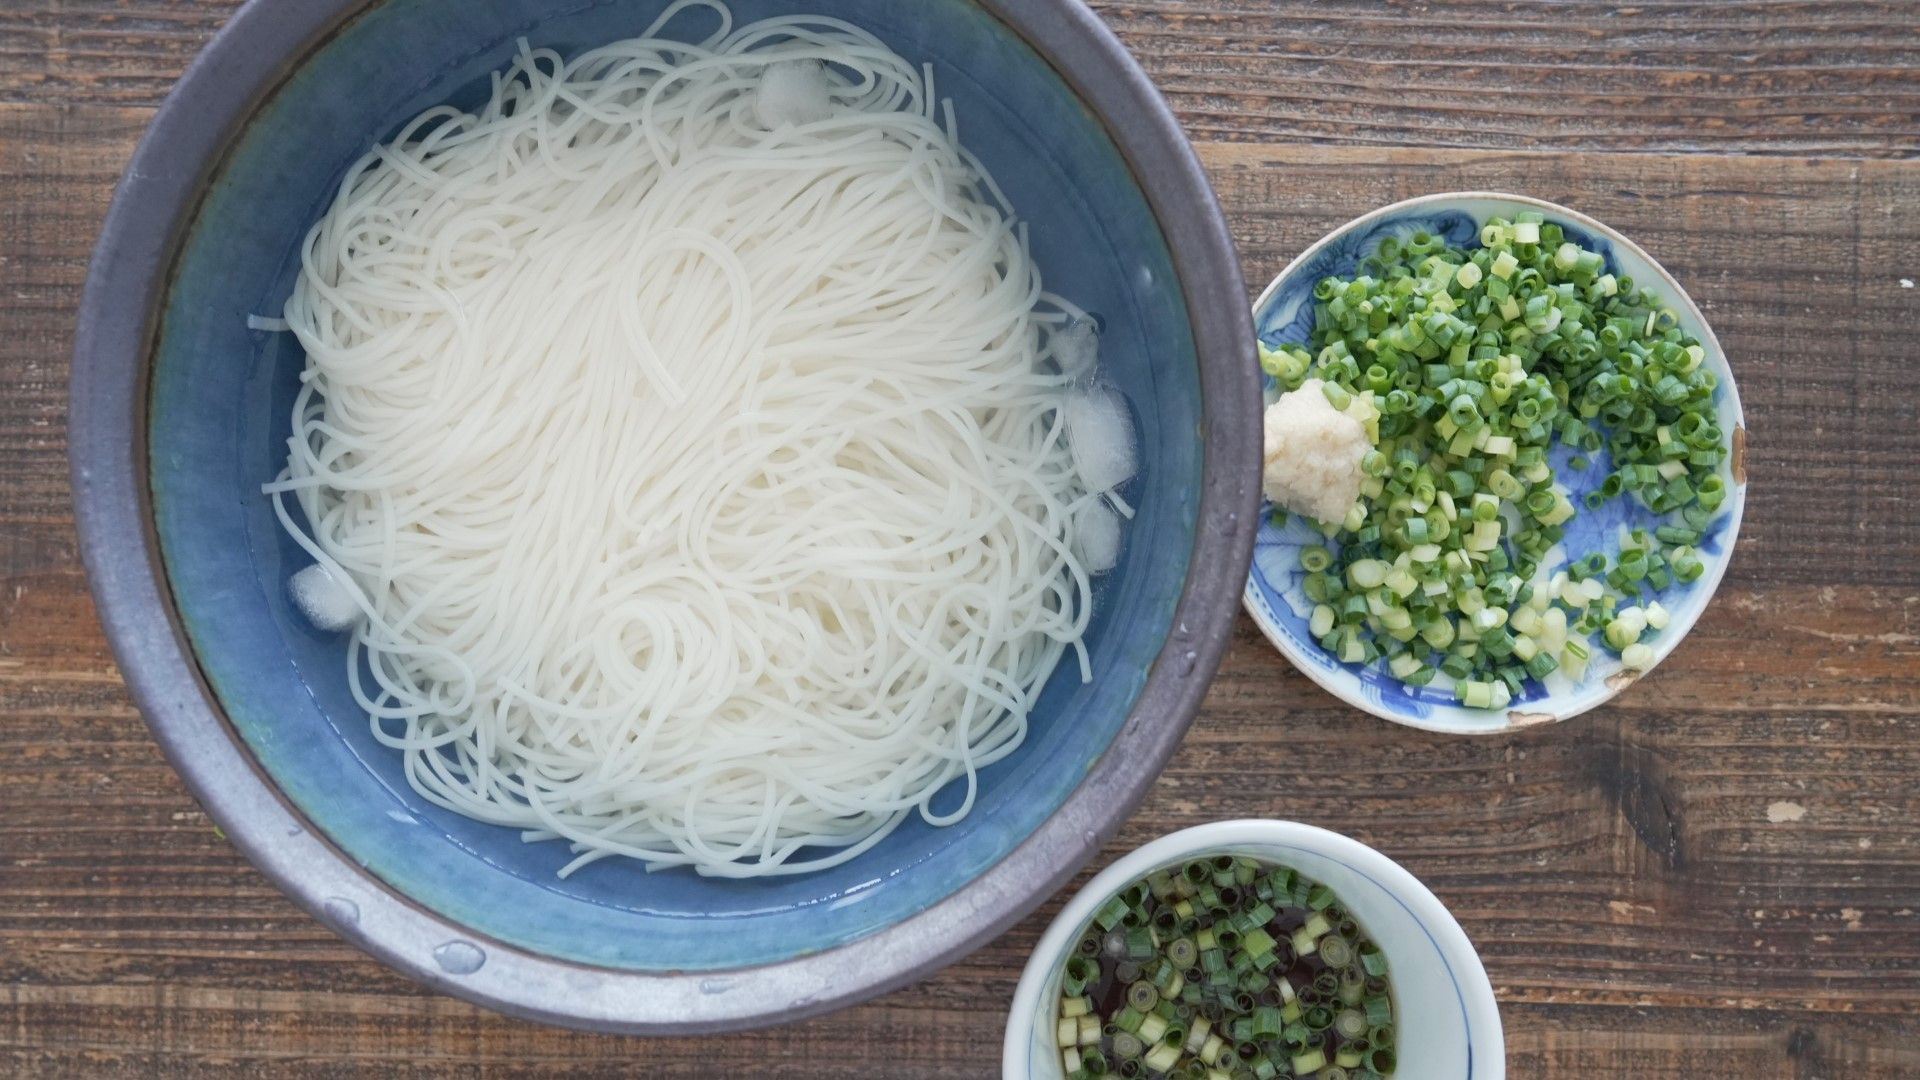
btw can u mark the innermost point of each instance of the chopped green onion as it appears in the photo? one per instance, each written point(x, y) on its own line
point(1081, 972)
point(1467, 366)
point(1373, 961)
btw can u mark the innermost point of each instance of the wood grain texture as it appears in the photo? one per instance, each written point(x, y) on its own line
point(1715, 877)
point(1728, 76)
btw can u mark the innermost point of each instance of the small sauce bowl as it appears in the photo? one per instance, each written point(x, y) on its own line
point(1447, 1022)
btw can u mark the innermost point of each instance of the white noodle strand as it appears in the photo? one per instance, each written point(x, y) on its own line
point(693, 456)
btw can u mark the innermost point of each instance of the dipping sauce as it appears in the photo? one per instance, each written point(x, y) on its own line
point(1225, 968)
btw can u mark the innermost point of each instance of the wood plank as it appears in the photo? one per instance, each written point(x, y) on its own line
point(318, 1038)
point(1796, 263)
point(58, 167)
point(1739, 76)
point(102, 52)
point(1717, 876)
point(1620, 866)
point(1651, 872)
point(1748, 76)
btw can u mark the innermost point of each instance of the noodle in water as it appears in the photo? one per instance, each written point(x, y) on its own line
point(689, 440)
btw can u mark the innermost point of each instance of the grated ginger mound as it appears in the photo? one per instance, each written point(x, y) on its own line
point(1313, 454)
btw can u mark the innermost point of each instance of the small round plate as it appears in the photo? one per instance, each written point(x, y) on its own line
point(1284, 316)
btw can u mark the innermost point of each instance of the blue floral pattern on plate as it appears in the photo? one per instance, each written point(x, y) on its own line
point(1275, 597)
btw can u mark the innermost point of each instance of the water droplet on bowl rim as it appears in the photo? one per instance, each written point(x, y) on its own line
point(340, 909)
point(459, 957)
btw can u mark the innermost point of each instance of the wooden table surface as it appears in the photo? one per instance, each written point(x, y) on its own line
point(1715, 876)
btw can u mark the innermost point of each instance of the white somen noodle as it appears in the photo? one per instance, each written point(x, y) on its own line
point(699, 473)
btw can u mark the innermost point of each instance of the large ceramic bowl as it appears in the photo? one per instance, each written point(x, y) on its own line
point(1284, 314)
point(1447, 1022)
point(180, 413)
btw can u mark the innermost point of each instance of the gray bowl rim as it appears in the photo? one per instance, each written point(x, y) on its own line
point(152, 208)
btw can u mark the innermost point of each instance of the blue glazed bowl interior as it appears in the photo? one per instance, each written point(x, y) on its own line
point(221, 395)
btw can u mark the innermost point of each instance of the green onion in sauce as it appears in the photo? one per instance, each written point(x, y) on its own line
point(1225, 968)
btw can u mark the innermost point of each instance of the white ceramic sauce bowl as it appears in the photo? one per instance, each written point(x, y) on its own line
point(1447, 1022)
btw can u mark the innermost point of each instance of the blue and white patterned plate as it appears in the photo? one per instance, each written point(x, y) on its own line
point(1284, 316)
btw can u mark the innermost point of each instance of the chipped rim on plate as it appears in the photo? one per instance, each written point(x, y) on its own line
point(1371, 689)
